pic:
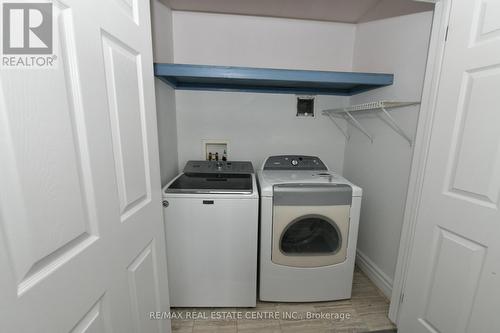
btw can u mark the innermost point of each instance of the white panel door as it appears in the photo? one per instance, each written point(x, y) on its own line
point(81, 234)
point(453, 282)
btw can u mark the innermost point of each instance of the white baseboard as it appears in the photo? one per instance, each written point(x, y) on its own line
point(374, 273)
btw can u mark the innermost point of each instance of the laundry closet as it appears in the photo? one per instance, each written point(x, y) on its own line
point(373, 150)
point(250, 166)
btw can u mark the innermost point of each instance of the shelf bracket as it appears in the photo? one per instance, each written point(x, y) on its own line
point(344, 132)
point(358, 125)
point(396, 127)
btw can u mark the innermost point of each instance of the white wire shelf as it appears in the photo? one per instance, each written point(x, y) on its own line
point(346, 113)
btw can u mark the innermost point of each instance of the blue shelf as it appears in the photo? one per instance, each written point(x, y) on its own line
point(266, 80)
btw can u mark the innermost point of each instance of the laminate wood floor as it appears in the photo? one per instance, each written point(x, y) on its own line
point(366, 311)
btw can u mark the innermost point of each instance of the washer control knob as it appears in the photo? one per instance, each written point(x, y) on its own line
point(165, 203)
point(294, 162)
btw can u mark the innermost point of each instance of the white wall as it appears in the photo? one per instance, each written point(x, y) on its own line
point(396, 45)
point(258, 125)
point(237, 40)
point(167, 131)
point(162, 31)
point(161, 22)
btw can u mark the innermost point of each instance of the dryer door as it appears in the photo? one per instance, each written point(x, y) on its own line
point(310, 225)
point(311, 234)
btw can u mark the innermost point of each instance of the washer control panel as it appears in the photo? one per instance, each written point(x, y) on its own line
point(236, 167)
point(294, 162)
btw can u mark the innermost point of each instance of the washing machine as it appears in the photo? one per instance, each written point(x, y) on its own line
point(211, 225)
point(309, 220)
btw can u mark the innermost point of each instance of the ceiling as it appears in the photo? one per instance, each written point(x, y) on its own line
point(348, 11)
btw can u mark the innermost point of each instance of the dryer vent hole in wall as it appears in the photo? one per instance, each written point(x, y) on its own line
point(305, 106)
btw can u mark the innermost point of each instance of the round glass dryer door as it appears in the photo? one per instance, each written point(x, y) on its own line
point(311, 235)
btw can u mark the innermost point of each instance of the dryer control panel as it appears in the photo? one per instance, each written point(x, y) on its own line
point(294, 162)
